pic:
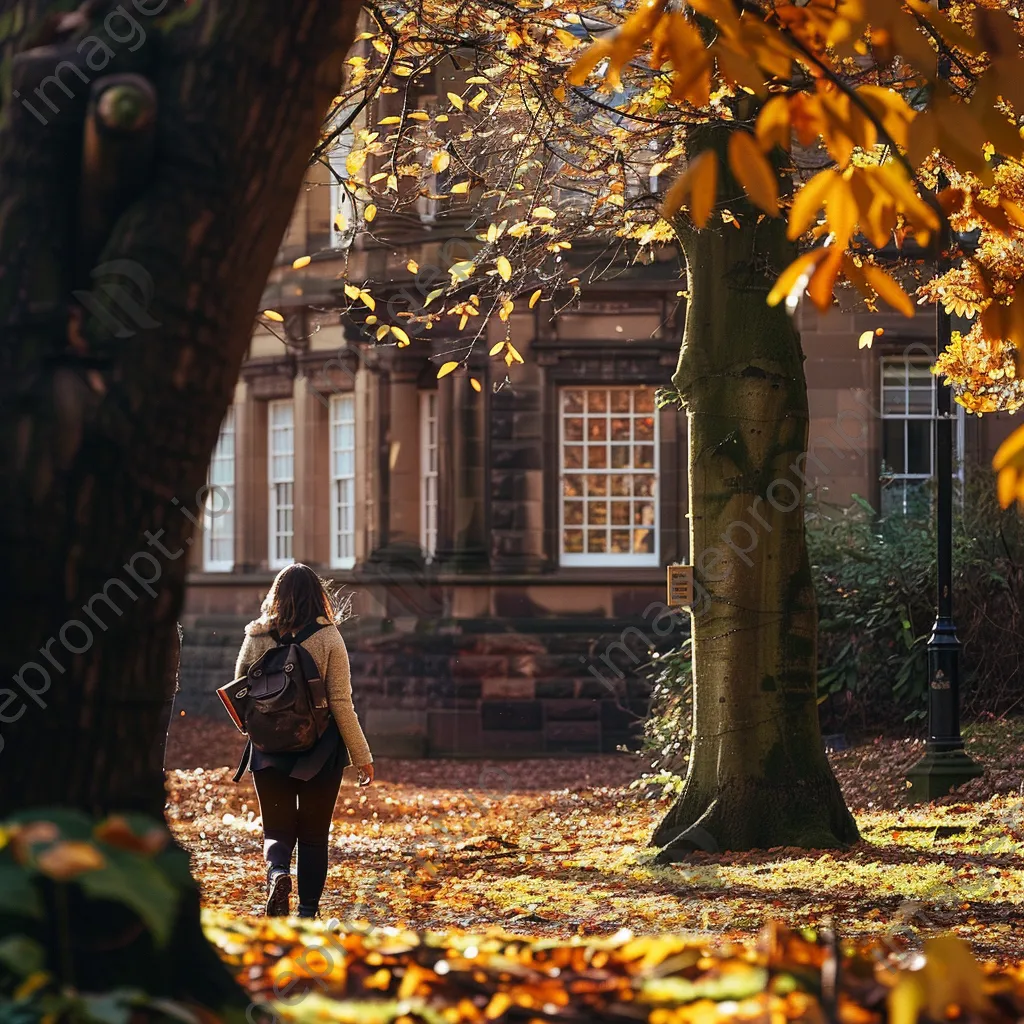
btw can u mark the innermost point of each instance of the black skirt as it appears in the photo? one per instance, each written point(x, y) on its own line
point(305, 764)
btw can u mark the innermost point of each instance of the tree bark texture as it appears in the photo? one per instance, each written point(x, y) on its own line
point(757, 776)
point(106, 428)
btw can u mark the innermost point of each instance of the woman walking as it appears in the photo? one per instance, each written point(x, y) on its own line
point(297, 792)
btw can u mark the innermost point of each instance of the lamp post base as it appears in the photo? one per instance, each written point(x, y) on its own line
point(938, 773)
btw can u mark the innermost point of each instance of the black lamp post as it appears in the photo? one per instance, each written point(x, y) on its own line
point(945, 764)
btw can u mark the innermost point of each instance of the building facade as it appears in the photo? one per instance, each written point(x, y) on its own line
point(503, 535)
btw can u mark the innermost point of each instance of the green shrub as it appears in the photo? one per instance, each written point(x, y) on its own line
point(875, 580)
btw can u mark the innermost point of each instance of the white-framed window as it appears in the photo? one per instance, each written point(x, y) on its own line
point(428, 472)
point(909, 407)
point(608, 506)
point(343, 204)
point(343, 481)
point(281, 478)
point(219, 510)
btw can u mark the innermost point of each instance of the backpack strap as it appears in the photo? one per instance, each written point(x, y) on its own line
point(308, 631)
point(244, 762)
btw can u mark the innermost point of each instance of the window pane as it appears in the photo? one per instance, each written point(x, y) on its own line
point(620, 456)
point(572, 401)
point(574, 513)
point(620, 430)
point(894, 402)
point(892, 445)
point(644, 456)
point(597, 430)
point(919, 401)
point(597, 401)
point(597, 513)
point(597, 483)
point(645, 428)
point(620, 512)
point(644, 400)
point(573, 541)
point(597, 541)
point(573, 457)
point(620, 400)
point(620, 485)
point(620, 541)
point(573, 430)
point(572, 486)
point(919, 449)
point(597, 458)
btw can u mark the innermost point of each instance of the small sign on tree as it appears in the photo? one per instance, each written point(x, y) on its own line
point(680, 586)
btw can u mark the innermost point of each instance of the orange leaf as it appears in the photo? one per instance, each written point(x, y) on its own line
point(773, 127)
point(754, 172)
point(795, 277)
point(888, 289)
point(809, 201)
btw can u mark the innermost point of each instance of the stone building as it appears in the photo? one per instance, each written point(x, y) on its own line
point(505, 548)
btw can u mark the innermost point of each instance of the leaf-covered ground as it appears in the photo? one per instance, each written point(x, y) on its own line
point(557, 848)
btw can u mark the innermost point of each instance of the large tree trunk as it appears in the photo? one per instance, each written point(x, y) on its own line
point(104, 448)
point(757, 776)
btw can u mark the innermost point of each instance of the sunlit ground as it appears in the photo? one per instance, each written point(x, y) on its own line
point(558, 848)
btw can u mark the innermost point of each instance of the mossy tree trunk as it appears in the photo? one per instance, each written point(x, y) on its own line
point(106, 435)
point(757, 776)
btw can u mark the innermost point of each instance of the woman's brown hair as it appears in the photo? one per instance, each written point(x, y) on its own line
point(296, 598)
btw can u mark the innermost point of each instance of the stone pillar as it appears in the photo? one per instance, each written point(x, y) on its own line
point(462, 507)
point(250, 482)
point(312, 476)
point(400, 463)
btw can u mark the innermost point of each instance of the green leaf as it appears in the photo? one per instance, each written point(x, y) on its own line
point(110, 1008)
point(22, 955)
point(17, 893)
point(138, 883)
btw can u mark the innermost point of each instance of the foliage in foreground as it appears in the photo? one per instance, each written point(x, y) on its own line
point(395, 976)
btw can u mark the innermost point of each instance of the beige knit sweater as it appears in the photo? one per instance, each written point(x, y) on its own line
point(331, 657)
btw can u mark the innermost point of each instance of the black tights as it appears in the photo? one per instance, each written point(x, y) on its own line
point(296, 810)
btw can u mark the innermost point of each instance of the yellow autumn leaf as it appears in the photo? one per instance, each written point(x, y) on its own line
point(302, 261)
point(412, 266)
point(475, 384)
point(436, 293)
point(754, 172)
point(506, 309)
point(865, 340)
point(440, 161)
point(402, 337)
point(703, 188)
point(513, 352)
point(492, 232)
point(495, 349)
point(446, 369)
point(460, 188)
point(382, 331)
point(370, 212)
point(391, 119)
point(478, 99)
point(367, 299)
point(534, 298)
point(888, 289)
point(809, 200)
point(352, 291)
point(402, 70)
point(354, 161)
point(795, 277)
point(543, 213)
point(504, 267)
point(272, 314)
point(457, 101)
